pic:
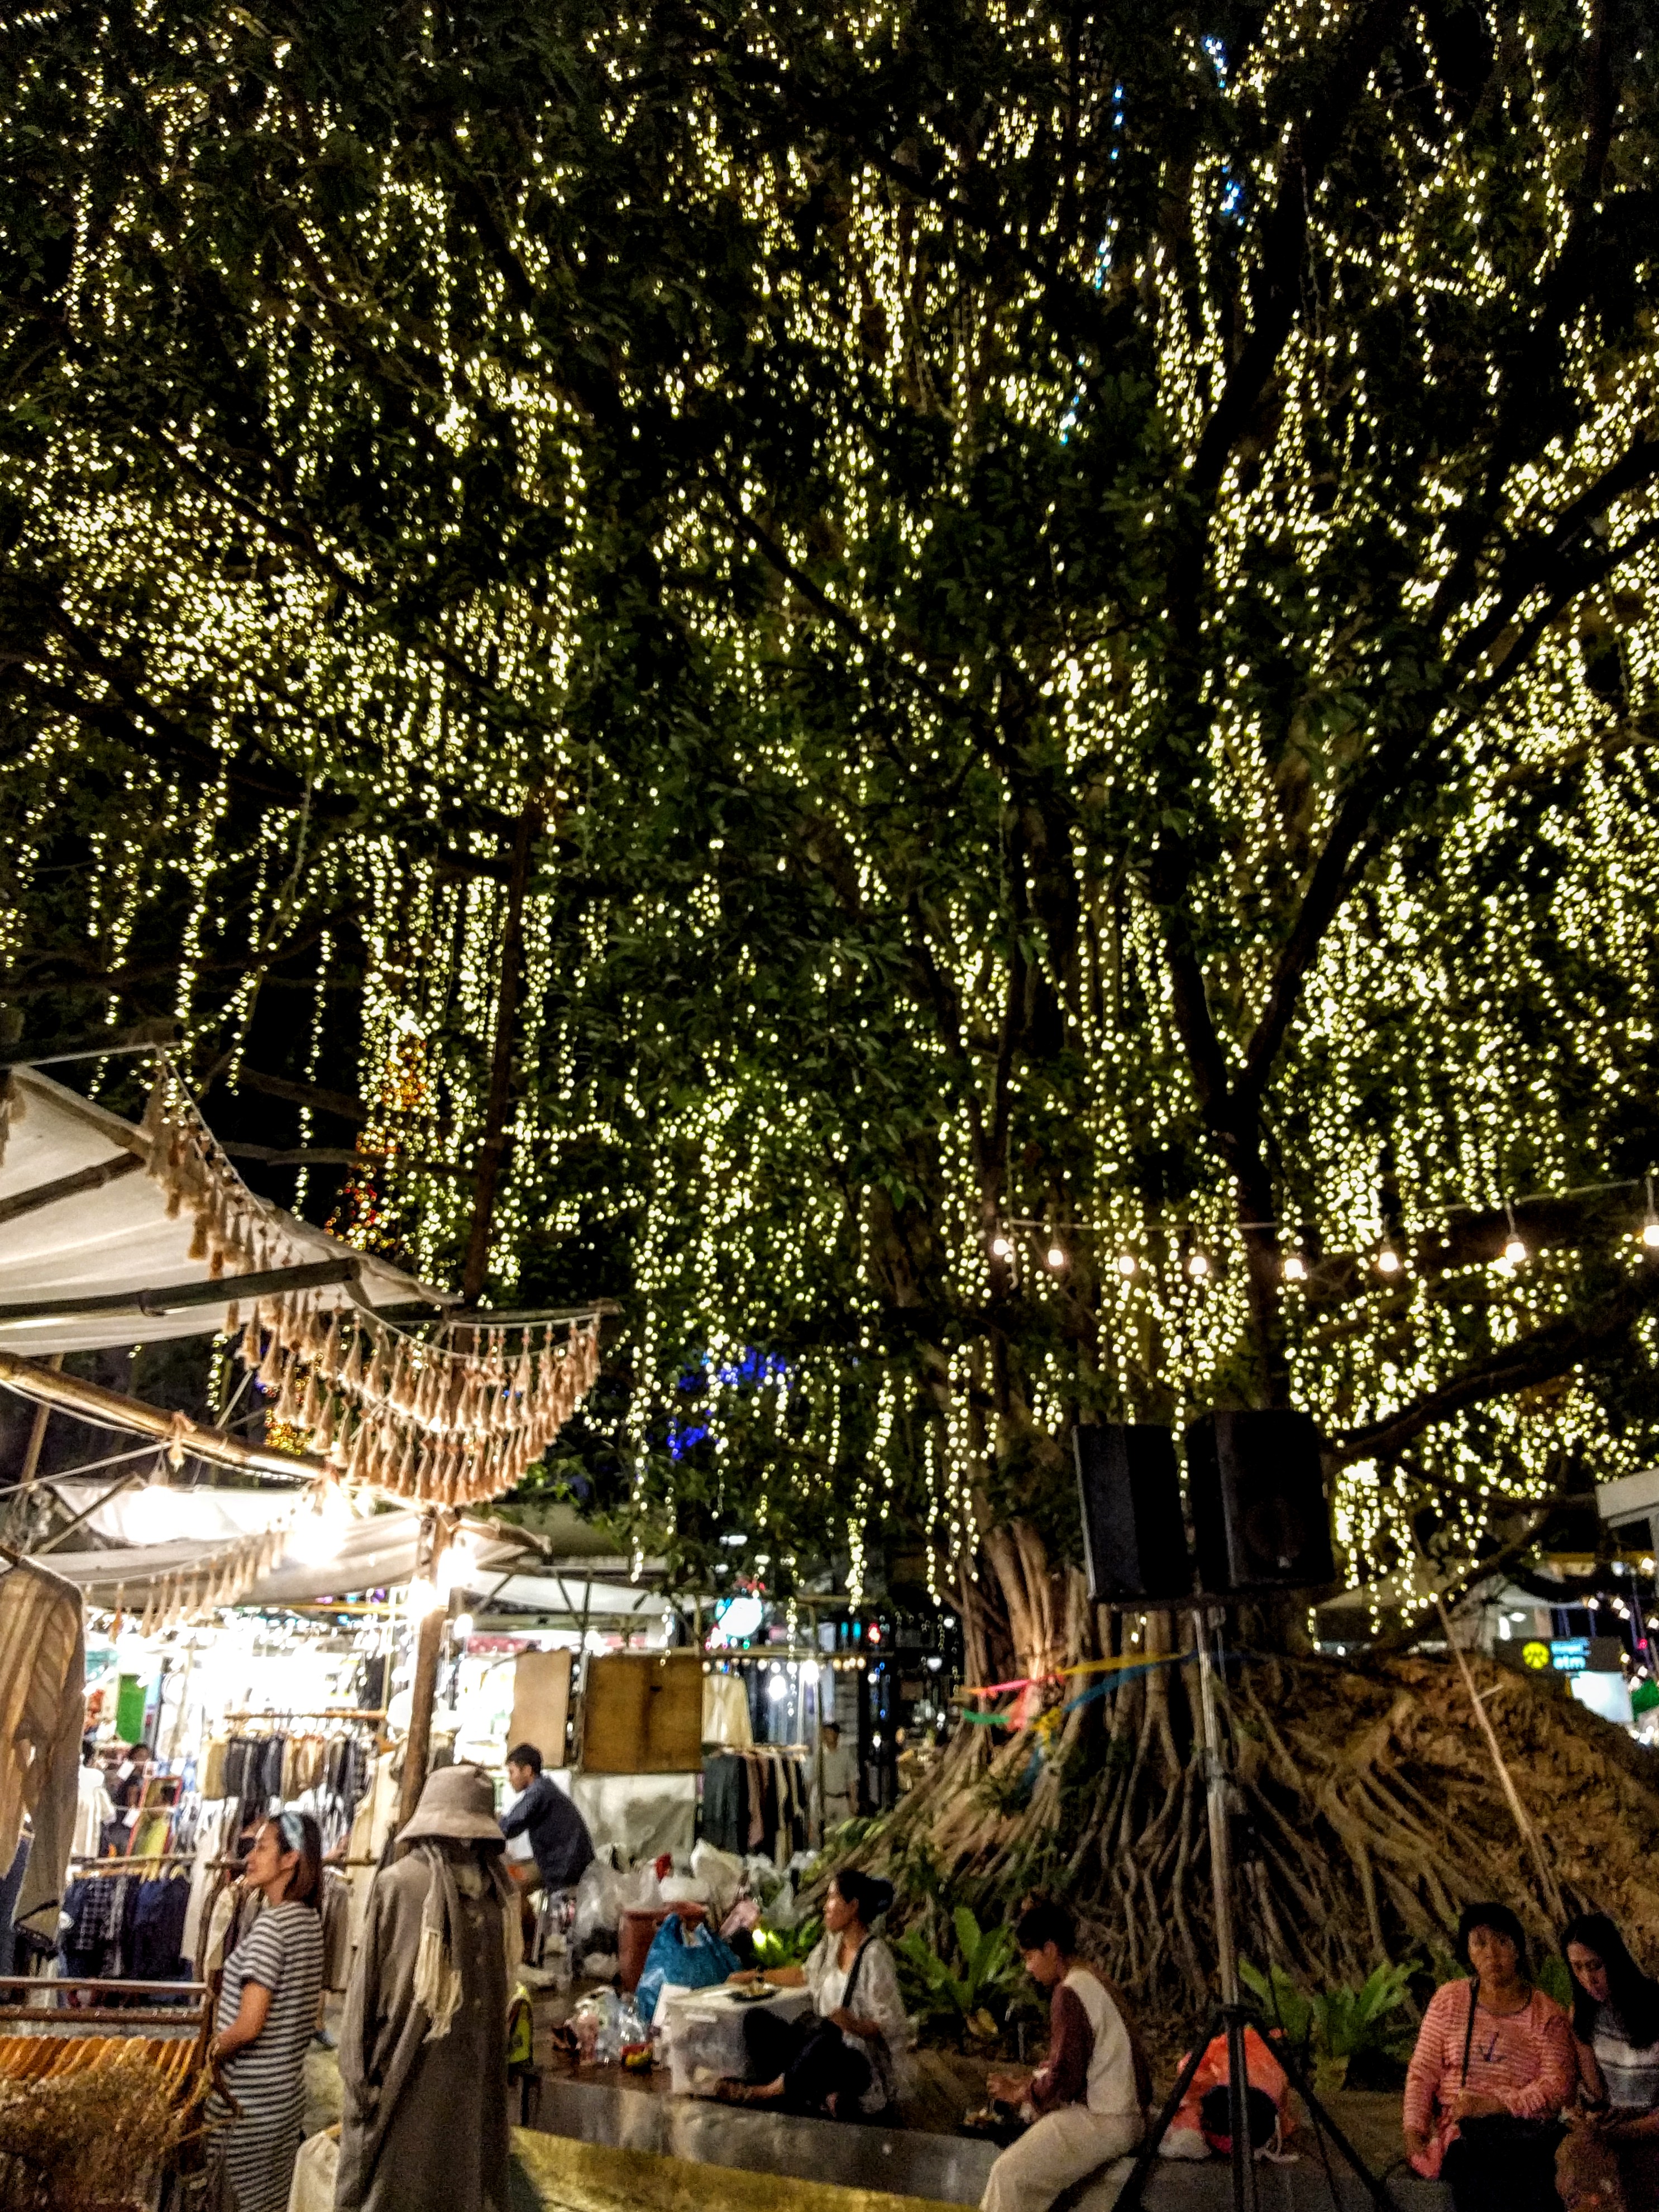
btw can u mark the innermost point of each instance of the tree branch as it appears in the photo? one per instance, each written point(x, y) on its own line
point(1554, 1349)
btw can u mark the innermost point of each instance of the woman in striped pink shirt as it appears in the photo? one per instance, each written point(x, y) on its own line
point(1493, 2066)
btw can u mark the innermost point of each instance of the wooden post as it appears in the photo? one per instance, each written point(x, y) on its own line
point(428, 1644)
point(20, 1497)
point(492, 1152)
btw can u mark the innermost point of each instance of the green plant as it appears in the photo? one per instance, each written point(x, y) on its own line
point(786, 1946)
point(1554, 1978)
point(974, 2002)
point(1338, 2030)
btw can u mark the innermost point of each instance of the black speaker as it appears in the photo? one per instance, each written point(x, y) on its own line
point(1260, 1516)
point(1133, 1537)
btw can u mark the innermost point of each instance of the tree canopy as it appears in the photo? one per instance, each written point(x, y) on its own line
point(961, 696)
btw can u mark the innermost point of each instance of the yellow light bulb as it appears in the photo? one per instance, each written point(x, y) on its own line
point(1056, 1257)
point(1388, 1262)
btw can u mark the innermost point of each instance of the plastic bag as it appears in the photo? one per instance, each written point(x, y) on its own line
point(598, 1904)
point(744, 1914)
point(723, 1873)
point(639, 1890)
point(696, 1959)
point(783, 1906)
point(684, 1889)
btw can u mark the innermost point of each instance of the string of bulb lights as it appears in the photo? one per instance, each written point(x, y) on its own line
point(1388, 1259)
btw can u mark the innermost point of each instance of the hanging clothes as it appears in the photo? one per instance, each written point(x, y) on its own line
point(726, 1719)
point(42, 1709)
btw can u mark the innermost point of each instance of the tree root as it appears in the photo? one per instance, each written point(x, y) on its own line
point(1372, 1817)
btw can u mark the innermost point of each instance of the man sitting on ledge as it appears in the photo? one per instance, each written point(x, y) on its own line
point(1086, 2104)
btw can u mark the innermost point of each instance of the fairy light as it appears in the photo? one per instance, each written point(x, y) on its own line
point(700, 1157)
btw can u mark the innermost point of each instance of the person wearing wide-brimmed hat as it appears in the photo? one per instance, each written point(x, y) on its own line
point(423, 2045)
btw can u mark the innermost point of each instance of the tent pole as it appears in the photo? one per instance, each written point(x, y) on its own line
point(20, 1497)
point(109, 1409)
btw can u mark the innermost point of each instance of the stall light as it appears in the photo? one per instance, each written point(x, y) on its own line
point(1056, 1257)
point(1197, 1267)
point(1125, 1263)
point(1001, 1249)
point(461, 1628)
point(1388, 1262)
point(1296, 1268)
point(422, 1597)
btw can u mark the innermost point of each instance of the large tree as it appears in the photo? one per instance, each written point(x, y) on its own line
point(786, 664)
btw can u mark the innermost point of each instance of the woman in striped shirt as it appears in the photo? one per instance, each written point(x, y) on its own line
point(267, 2013)
point(1616, 2024)
point(1494, 2055)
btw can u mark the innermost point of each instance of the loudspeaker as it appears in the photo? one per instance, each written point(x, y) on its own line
point(1260, 1516)
point(1133, 1537)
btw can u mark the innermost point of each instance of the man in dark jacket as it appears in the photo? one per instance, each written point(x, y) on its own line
point(558, 1834)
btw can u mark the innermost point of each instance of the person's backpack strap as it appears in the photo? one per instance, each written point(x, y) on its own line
point(1469, 2033)
point(853, 1978)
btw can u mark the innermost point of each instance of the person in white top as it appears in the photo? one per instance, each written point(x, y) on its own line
point(838, 1776)
point(93, 1806)
point(839, 2058)
point(1086, 2103)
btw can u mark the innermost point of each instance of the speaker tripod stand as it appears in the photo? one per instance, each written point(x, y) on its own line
point(1231, 2017)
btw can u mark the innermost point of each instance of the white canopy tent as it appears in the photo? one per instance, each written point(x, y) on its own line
point(158, 1535)
point(82, 1219)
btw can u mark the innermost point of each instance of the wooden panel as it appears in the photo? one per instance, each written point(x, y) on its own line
point(541, 1703)
point(643, 1713)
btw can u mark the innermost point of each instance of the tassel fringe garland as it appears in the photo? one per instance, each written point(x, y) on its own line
point(409, 1419)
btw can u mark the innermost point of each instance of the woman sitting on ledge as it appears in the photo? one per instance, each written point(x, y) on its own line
point(837, 2059)
point(1493, 2066)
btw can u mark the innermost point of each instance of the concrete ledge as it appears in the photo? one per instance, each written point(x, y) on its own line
point(949, 2169)
point(837, 2154)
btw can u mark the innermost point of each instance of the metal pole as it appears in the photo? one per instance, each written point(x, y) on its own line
point(1221, 1883)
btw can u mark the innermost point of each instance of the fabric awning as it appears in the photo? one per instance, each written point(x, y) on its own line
point(164, 1534)
point(83, 1215)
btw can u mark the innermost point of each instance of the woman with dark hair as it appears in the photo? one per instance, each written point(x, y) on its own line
point(268, 2001)
point(1616, 2024)
point(1493, 2069)
point(837, 2059)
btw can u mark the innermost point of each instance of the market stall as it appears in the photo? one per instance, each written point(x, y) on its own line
point(214, 1660)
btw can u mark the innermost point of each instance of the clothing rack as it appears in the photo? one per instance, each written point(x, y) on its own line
point(76, 2018)
point(125, 1864)
point(317, 1713)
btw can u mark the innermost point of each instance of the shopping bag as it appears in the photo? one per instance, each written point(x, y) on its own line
point(682, 1960)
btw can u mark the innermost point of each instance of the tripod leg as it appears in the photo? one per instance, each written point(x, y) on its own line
point(1238, 2115)
point(1129, 2194)
point(1378, 2188)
